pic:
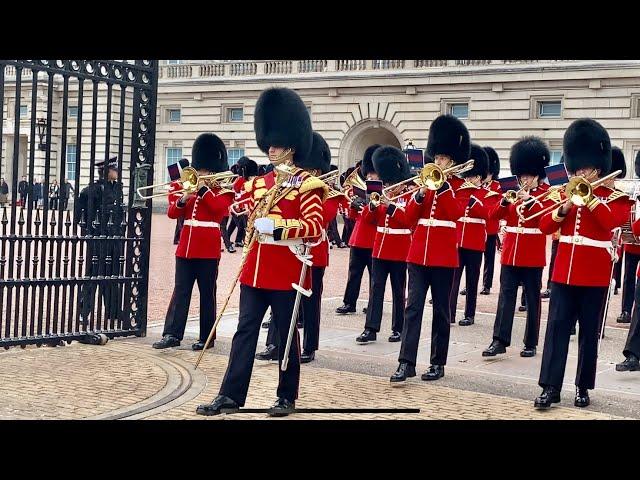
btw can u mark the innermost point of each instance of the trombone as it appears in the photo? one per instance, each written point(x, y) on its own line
point(189, 180)
point(578, 190)
point(511, 196)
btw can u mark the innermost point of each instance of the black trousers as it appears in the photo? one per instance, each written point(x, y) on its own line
point(309, 316)
point(380, 270)
point(224, 232)
point(469, 260)
point(440, 279)
point(359, 258)
point(188, 271)
point(178, 230)
point(53, 203)
point(253, 306)
point(347, 228)
point(332, 232)
point(566, 303)
point(65, 202)
point(633, 337)
point(510, 279)
point(629, 285)
point(489, 261)
point(241, 223)
point(110, 291)
point(554, 251)
point(617, 270)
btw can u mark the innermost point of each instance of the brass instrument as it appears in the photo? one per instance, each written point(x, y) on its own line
point(355, 181)
point(511, 196)
point(578, 190)
point(190, 181)
point(631, 188)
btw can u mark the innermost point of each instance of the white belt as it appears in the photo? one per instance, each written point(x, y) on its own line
point(394, 231)
point(289, 242)
point(472, 220)
point(533, 231)
point(590, 242)
point(432, 222)
point(201, 223)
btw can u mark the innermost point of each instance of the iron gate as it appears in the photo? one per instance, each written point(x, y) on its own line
point(58, 119)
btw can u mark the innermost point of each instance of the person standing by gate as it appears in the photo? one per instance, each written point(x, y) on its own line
point(100, 209)
point(37, 193)
point(65, 192)
point(4, 192)
point(54, 195)
point(23, 189)
point(198, 252)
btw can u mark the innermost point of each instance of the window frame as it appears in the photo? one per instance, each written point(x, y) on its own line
point(26, 111)
point(166, 158)
point(536, 105)
point(227, 113)
point(68, 162)
point(69, 109)
point(447, 104)
point(174, 109)
point(242, 153)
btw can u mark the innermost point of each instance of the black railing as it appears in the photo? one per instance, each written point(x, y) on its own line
point(66, 275)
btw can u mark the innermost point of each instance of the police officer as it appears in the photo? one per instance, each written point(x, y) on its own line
point(433, 253)
point(100, 206)
point(582, 271)
point(289, 210)
point(524, 247)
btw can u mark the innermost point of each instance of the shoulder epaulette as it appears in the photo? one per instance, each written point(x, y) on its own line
point(615, 195)
point(335, 193)
point(223, 191)
point(491, 193)
point(467, 185)
point(311, 184)
point(248, 185)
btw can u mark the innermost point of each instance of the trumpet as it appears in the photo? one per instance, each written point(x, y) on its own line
point(355, 181)
point(578, 190)
point(511, 196)
point(189, 180)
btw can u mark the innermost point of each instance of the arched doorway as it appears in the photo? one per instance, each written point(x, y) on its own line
point(363, 134)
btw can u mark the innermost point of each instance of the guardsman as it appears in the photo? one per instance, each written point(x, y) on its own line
point(198, 252)
point(433, 253)
point(524, 247)
point(493, 225)
point(361, 240)
point(348, 221)
point(584, 263)
point(390, 246)
point(472, 234)
point(631, 251)
point(287, 208)
point(247, 170)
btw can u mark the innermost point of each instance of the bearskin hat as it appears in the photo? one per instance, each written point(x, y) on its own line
point(529, 156)
point(587, 144)
point(449, 136)
point(480, 162)
point(320, 155)
point(391, 164)
point(494, 161)
point(209, 153)
point(281, 119)
point(618, 162)
point(367, 164)
point(247, 167)
point(333, 167)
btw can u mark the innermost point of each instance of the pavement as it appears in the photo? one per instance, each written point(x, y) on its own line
point(127, 379)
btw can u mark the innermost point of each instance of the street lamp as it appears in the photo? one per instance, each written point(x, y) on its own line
point(42, 133)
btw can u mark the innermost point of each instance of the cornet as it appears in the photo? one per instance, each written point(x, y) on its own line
point(511, 196)
point(189, 180)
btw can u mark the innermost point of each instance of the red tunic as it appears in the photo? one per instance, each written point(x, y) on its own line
point(330, 210)
point(584, 257)
point(523, 245)
point(433, 243)
point(200, 236)
point(472, 224)
point(393, 235)
point(270, 263)
point(364, 231)
point(493, 224)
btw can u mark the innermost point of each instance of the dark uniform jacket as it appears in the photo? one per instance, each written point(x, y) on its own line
point(98, 203)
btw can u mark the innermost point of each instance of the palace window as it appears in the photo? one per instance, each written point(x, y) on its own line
point(234, 114)
point(174, 115)
point(70, 159)
point(234, 154)
point(23, 111)
point(460, 110)
point(72, 112)
point(556, 156)
point(172, 155)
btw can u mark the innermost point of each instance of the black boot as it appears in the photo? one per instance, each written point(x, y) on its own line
point(582, 397)
point(282, 408)
point(528, 352)
point(403, 372)
point(395, 337)
point(466, 321)
point(269, 353)
point(485, 291)
point(522, 308)
point(231, 249)
point(307, 357)
point(199, 345)
point(434, 373)
point(624, 318)
point(344, 309)
point(216, 407)
point(266, 323)
point(630, 364)
point(463, 292)
point(545, 294)
point(367, 336)
point(167, 341)
point(494, 349)
point(549, 396)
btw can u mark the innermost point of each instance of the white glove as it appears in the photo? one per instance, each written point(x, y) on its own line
point(264, 225)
